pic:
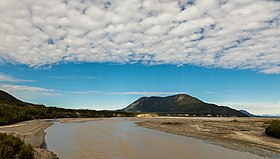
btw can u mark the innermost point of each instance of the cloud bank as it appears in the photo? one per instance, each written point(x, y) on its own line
point(233, 34)
point(24, 92)
point(7, 78)
point(27, 93)
point(259, 108)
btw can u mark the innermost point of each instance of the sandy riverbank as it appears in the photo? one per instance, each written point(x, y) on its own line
point(32, 132)
point(242, 134)
point(77, 120)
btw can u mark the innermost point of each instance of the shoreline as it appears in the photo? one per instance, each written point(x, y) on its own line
point(232, 133)
point(226, 132)
point(33, 132)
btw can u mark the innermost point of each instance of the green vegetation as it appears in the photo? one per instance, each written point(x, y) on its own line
point(180, 104)
point(14, 111)
point(13, 148)
point(273, 129)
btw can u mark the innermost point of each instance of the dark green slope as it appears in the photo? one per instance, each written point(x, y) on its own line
point(13, 110)
point(7, 97)
point(180, 103)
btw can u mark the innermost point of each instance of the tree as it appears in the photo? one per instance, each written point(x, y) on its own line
point(26, 152)
point(12, 147)
point(6, 152)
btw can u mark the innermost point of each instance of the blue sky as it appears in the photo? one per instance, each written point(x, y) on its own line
point(113, 86)
point(105, 54)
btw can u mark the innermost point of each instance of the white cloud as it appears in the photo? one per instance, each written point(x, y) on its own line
point(7, 78)
point(230, 34)
point(73, 77)
point(27, 93)
point(85, 92)
point(146, 93)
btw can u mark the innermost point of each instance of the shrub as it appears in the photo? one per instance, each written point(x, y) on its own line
point(6, 152)
point(172, 123)
point(12, 147)
point(25, 152)
point(273, 129)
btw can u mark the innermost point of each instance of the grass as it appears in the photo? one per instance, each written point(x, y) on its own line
point(273, 129)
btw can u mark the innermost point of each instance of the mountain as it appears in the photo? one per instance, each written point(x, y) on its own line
point(270, 115)
point(4, 96)
point(180, 103)
point(13, 110)
point(247, 113)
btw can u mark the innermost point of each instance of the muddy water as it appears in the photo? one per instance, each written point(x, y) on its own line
point(117, 138)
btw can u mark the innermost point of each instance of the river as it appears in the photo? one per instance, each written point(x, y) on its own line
point(118, 138)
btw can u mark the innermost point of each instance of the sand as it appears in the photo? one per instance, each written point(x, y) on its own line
point(31, 132)
point(74, 120)
point(242, 134)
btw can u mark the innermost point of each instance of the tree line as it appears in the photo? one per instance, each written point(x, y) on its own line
point(12, 112)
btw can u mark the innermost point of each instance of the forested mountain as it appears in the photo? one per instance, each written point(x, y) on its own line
point(180, 103)
point(4, 96)
point(13, 110)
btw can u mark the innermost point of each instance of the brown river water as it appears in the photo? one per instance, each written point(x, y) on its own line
point(118, 138)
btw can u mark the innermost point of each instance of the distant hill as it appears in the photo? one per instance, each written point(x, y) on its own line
point(247, 113)
point(4, 96)
point(181, 103)
point(270, 115)
point(13, 110)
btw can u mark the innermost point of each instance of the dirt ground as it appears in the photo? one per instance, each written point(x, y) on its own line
point(243, 134)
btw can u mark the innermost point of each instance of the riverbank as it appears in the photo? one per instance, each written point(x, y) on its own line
point(242, 134)
point(32, 132)
point(121, 138)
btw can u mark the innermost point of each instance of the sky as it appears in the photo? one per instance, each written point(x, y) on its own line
point(105, 54)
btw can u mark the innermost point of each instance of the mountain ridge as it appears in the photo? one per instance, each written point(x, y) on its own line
point(247, 113)
point(180, 103)
point(4, 96)
point(13, 110)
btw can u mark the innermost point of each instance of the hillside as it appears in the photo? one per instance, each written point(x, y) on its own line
point(247, 113)
point(13, 110)
point(4, 96)
point(180, 103)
